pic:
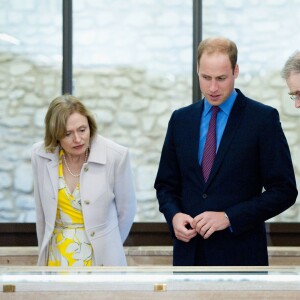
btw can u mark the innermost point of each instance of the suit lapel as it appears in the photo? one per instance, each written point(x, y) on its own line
point(193, 135)
point(232, 125)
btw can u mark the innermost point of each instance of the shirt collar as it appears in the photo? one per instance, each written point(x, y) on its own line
point(226, 106)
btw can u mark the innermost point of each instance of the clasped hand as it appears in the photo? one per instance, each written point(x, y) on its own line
point(205, 224)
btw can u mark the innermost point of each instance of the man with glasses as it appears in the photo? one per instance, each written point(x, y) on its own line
point(291, 73)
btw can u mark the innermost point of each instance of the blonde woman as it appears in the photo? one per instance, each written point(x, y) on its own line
point(83, 189)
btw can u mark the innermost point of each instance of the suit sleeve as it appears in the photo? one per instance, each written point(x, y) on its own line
point(168, 179)
point(277, 177)
point(40, 218)
point(125, 195)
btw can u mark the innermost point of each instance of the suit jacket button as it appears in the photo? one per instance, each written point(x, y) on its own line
point(87, 202)
point(92, 233)
point(204, 196)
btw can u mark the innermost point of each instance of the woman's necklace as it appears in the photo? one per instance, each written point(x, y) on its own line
point(75, 175)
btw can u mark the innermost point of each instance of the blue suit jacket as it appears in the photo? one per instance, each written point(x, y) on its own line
point(252, 180)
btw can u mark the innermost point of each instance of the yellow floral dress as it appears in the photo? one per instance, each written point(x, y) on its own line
point(69, 245)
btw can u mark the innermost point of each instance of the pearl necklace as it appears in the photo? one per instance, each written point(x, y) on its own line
point(75, 175)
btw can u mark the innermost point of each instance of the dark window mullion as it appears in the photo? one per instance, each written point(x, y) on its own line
point(197, 37)
point(67, 76)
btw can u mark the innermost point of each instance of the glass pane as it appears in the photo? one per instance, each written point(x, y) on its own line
point(227, 283)
point(30, 76)
point(133, 67)
point(266, 33)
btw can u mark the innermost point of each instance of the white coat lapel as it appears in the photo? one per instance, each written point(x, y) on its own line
point(52, 167)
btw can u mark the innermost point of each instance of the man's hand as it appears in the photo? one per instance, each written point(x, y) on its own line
point(209, 222)
point(183, 227)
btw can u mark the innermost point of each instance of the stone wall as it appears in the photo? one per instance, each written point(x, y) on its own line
point(131, 107)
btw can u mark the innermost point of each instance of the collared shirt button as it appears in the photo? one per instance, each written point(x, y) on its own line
point(92, 233)
point(87, 202)
point(204, 196)
point(86, 168)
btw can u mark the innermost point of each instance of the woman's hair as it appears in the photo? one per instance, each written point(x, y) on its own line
point(292, 65)
point(219, 45)
point(56, 118)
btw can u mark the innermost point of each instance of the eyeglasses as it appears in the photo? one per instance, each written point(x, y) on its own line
point(295, 96)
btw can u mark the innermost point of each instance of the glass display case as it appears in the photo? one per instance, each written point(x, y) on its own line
point(150, 282)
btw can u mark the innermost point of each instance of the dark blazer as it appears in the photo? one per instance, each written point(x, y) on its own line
point(252, 180)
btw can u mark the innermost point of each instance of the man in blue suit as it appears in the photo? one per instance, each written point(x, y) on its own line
point(220, 220)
